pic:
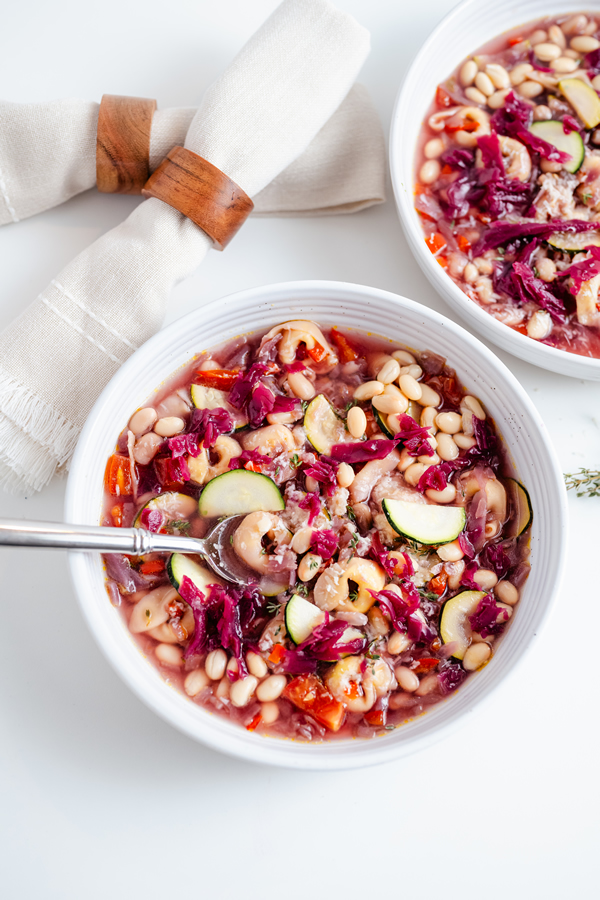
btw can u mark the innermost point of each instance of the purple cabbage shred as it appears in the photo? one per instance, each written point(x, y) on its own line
point(325, 543)
point(208, 424)
point(324, 470)
point(484, 620)
point(312, 502)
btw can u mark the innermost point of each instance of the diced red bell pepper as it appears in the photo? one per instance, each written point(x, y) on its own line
point(254, 723)
point(442, 261)
point(438, 584)
point(376, 717)
point(116, 515)
point(117, 478)
point(462, 124)
point(223, 379)
point(427, 664)
point(447, 170)
point(277, 654)
point(515, 40)
point(309, 694)
point(521, 328)
point(345, 350)
point(443, 98)
point(317, 353)
point(253, 466)
point(435, 241)
point(463, 243)
point(152, 567)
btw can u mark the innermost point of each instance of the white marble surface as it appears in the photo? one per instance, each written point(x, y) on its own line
point(99, 797)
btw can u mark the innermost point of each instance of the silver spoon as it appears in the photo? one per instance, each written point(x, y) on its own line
point(215, 547)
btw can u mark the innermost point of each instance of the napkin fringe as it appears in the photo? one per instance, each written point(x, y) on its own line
point(34, 439)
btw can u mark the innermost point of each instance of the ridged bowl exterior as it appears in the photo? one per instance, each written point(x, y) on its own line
point(460, 34)
point(348, 306)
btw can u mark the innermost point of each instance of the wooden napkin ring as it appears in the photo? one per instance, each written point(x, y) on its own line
point(201, 192)
point(123, 144)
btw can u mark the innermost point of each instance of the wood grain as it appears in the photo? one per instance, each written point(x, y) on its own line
point(123, 144)
point(201, 192)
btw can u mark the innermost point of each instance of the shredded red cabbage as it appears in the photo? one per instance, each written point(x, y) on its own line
point(297, 366)
point(362, 451)
point(450, 677)
point(152, 519)
point(184, 444)
point(171, 471)
point(570, 124)
point(296, 662)
point(484, 620)
point(528, 287)
point(324, 470)
point(382, 556)
point(196, 600)
point(507, 232)
point(208, 424)
point(403, 611)
point(458, 159)
point(312, 502)
point(253, 456)
point(467, 577)
point(500, 557)
point(514, 119)
point(412, 437)
point(286, 404)
point(584, 270)
point(252, 395)
point(465, 542)
point(325, 543)
point(119, 569)
point(324, 642)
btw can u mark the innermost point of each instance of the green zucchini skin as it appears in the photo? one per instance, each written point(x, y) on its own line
point(552, 132)
point(431, 525)
point(240, 492)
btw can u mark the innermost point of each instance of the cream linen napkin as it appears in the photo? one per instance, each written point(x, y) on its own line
point(259, 116)
point(48, 154)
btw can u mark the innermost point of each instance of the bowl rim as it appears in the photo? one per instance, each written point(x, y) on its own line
point(218, 733)
point(533, 352)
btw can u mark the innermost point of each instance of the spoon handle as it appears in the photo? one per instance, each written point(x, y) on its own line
point(135, 541)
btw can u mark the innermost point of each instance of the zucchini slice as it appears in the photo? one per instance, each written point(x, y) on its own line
point(323, 426)
point(239, 492)
point(427, 524)
point(301, 618)
point(172, 505)
point(454, 622)
point(213, 398)
point(574, 242)
point(380, 418)
point(521, 507)
point(553, 132)
point(583, 99)
point(180, 565)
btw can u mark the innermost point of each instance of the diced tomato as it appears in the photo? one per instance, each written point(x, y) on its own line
point(345, 350)
point(515, 40)
point(277, 654)
point(465, 124)
point(308, 693)
point(521, 328)
point(435, 241)
point(353, 691)
point(254, 723)
point(427, 664)
point(317, 353)
point(443, 98)
point(438, 584)
point(442, 261)
point(117, 478)
point(223, 379)
point(152, 567)
point(420, 188)
point(253, 466)
point(376, 717)
point(463, 243)
point(116, 515)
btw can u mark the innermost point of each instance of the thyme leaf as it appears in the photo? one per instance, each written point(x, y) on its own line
point(585, 481)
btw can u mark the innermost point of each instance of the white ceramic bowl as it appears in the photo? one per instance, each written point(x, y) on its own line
point(469, 25)
point(352, 306)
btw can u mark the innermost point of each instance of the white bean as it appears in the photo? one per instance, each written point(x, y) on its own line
point(404, 357)
point(256, 664)
point(447, 448)
point(596, 86)
point(169, 655)
point(468, 72)
point(475, 95)
point(300, 386)
point(414, 370)
point(269, 713)
point(497, 100)
point(271, 688)
point(430, 171)
point(414, 472)
point(142, 420)
point(470, 273)
point(309, 566)
point(312, 484)
point(427, 419)
point(486, 579)
point(484, 289)
point(146, 448)
point(429, 397)
point(520, 73)
point(447, 495)
point(473, 405)
point(506, 592)
point(427, 685)
point(540, 325)
point(389, 371)
point(450, 552)
point(410, 387)
point(195, 682)
point(475, 656)
point(433, 148)
point(484, 83)
point(242, 690)
point(541, 113)
point(223, 688)
point(538, 36)
point(546, 51)
point(407, 679)
point(398, 643)
point(584, 43)
point(546, 268)
point(357, 421)
point(530, 89)
point(497, 75)
point(368, 390)
point(215, 664)
point(575, 25)
point(302, 539)
point(448, 422)
point(169, 426)
point(388, 404)
point(562, 65)
point(282, 418)
point(557, 36)
point(345, 476)
point(464, 441)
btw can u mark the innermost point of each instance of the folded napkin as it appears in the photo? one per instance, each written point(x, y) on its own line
point(48, 154)
point(258, 117)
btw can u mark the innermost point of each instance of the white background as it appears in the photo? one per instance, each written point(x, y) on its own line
point(98, 797)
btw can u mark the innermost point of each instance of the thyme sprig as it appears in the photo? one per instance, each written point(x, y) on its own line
point(585, 481)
